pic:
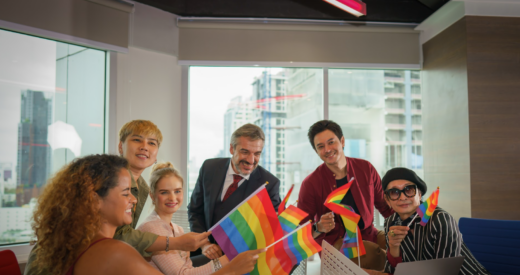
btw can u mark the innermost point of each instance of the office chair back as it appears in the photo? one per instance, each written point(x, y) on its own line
point(8, 263)
point(494, 243)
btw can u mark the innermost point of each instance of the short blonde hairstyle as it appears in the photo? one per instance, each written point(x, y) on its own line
point(140, 127)
point(161, 170)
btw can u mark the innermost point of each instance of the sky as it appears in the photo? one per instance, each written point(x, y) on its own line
point(211, 89)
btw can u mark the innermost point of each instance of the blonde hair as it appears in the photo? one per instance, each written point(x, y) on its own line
point(140, 127)
point(159, 171)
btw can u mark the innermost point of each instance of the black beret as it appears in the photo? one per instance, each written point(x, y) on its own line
point(401, 173)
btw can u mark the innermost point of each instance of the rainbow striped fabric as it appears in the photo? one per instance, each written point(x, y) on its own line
point(290, 218)
point(251, 225)
point(300, 245)
point(352, 242)
point(426, 209)
point(337, 195)
point(281, 207)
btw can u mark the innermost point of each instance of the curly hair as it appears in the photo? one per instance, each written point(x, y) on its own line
point(67, 216)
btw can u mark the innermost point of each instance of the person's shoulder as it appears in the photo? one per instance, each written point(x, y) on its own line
point(109, 249)
point(265, 174)
point(440, 213)
point(215, 162)
point(360, 162)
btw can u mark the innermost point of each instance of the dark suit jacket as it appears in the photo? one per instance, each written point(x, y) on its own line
point(208, 190)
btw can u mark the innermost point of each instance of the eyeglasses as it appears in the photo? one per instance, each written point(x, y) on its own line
point(395, 194)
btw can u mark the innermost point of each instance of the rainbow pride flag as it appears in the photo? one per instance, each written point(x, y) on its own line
point(337, 195)
point(290, 218)
point(281, 208)
point(426, 209)
point(299, 245)
point(352, 242)
point(253, 224)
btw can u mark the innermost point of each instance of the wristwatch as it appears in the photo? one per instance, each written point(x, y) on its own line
point(315, 228)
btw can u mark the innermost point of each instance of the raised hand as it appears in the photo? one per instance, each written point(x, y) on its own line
point(326, 223)
point(395, 236)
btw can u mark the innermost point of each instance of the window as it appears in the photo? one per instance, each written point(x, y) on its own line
point(52, 103)
point(284, 102)
point(379, 112)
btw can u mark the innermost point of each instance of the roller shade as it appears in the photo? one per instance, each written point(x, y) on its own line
point(74, 21)
point(199, 41)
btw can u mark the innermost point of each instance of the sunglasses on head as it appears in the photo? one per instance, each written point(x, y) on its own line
point(394, 193)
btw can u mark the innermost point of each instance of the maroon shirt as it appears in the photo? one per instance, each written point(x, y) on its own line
point(366, 190)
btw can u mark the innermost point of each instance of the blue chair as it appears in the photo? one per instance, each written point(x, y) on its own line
point(495, 244)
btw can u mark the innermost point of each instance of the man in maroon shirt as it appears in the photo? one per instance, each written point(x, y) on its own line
point(366, 191)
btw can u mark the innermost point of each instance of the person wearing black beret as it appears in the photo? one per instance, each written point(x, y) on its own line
point(439, 238)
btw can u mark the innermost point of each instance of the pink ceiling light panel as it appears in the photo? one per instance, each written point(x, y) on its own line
point(355, 7)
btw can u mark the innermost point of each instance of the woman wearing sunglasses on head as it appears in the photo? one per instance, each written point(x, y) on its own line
point(439, 238)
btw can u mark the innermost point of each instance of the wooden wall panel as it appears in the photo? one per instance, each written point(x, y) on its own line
point(493, 68)
point(445, 119)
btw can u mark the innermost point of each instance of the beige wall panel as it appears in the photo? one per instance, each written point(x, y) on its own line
point(214, 44)
point(149, 88)
point(154, 30)
point(445, 119)
point(77, 18)
point(494, 115)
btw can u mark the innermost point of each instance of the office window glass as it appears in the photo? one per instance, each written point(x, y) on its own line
point(284, 102)
point(380, 114)
point(52, 104)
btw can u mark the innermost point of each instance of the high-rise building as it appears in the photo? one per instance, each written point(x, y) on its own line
point(270, 100)
point(34, 153)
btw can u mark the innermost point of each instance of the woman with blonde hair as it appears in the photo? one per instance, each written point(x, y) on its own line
point(77, 216)
point(166, 191)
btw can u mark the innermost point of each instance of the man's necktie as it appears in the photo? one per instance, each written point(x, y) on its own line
point(233, 186)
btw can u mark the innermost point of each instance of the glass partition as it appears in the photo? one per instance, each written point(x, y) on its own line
point(52, 104)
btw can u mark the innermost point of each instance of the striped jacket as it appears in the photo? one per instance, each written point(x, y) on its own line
point(440, 238)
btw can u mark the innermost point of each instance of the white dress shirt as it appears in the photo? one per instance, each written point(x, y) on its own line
point(229, 180)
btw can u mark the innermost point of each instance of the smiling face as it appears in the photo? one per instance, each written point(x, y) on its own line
point(168, 195)
point(246, 155)
point(140, 151)
point(404, 206)
point(329, 147)
point(116, 207)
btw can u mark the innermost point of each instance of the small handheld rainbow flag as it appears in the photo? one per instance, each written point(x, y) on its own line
point(426, 209)
point(298, 245)
point(352, 243)
point(337, 195)
point(281, 208)
point(290, 218)
point(253, 224)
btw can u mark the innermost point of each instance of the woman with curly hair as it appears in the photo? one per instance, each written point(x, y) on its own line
point(77, 216)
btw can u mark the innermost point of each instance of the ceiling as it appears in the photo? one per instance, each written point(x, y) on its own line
point(398, 11)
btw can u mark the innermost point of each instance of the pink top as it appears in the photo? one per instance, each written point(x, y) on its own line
point(71, 269)
point(173, 262)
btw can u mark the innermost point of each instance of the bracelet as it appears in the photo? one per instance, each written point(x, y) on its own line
point(167, 244)
point(216, 264)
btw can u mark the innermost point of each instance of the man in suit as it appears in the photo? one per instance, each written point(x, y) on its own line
point(224, 183)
